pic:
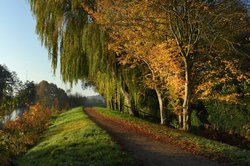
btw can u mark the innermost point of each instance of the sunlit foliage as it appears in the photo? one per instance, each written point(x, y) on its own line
point(185, 51)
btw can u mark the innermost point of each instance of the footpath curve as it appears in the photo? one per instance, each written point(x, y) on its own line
point(148, 152)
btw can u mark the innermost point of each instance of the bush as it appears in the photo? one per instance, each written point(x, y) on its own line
point(17, 136)
point(195, 121)
point(229, 118)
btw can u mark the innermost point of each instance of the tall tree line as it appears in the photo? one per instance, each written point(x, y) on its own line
point(157, 56)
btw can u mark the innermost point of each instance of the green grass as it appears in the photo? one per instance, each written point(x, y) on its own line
point(73, 139)
point(198, 145)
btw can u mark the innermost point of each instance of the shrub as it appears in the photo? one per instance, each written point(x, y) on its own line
point(195, 121)
point(17, 136)
point(228, 117)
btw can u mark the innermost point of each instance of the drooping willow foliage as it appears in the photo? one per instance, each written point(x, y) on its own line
point(69, 34)
point(60, 26)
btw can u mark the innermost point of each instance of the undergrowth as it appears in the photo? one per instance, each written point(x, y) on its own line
point(18, 136)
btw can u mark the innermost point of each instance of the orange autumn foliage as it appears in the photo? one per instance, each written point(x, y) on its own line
point(17, 136)
point(172, 38)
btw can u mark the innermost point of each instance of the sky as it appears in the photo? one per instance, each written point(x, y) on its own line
point(21, 50)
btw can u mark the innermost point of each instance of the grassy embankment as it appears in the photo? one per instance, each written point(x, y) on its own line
point(196, 144)
point(73, 139)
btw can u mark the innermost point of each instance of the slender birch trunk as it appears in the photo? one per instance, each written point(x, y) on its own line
point(186, 102)
point(162, 112)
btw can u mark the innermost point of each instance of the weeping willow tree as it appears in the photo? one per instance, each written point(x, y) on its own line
point(118, 84)
point(60, 26)
point(79, 44)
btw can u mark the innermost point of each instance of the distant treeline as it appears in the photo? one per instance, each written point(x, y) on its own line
point(94, 101)
point(16, 94)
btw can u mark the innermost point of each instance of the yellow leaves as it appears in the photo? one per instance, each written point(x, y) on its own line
point(205, 89)
point(140, 34)
point(165, 63)
point(229, 65)
point(231, 98)
point(219, 84)
point(241, 77)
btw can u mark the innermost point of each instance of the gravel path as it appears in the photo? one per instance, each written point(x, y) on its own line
point(147, 151)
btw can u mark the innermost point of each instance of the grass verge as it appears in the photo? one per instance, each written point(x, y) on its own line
point(73, 139)
point(193, 143)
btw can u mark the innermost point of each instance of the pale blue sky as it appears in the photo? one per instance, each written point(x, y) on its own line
point(20, 48)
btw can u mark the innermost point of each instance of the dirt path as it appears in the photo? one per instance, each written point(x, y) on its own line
point(148, 152)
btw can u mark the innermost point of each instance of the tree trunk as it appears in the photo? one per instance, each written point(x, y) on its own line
point(162, 112)
point(128, 103)
point(116, 100)
point(186, 102)
point(121, 104)
point(180, 119)
point(109, 104)
point(112, 102)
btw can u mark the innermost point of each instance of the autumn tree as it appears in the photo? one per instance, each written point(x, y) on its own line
point(198, 28)
point(133, 39)
point(50, 96)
